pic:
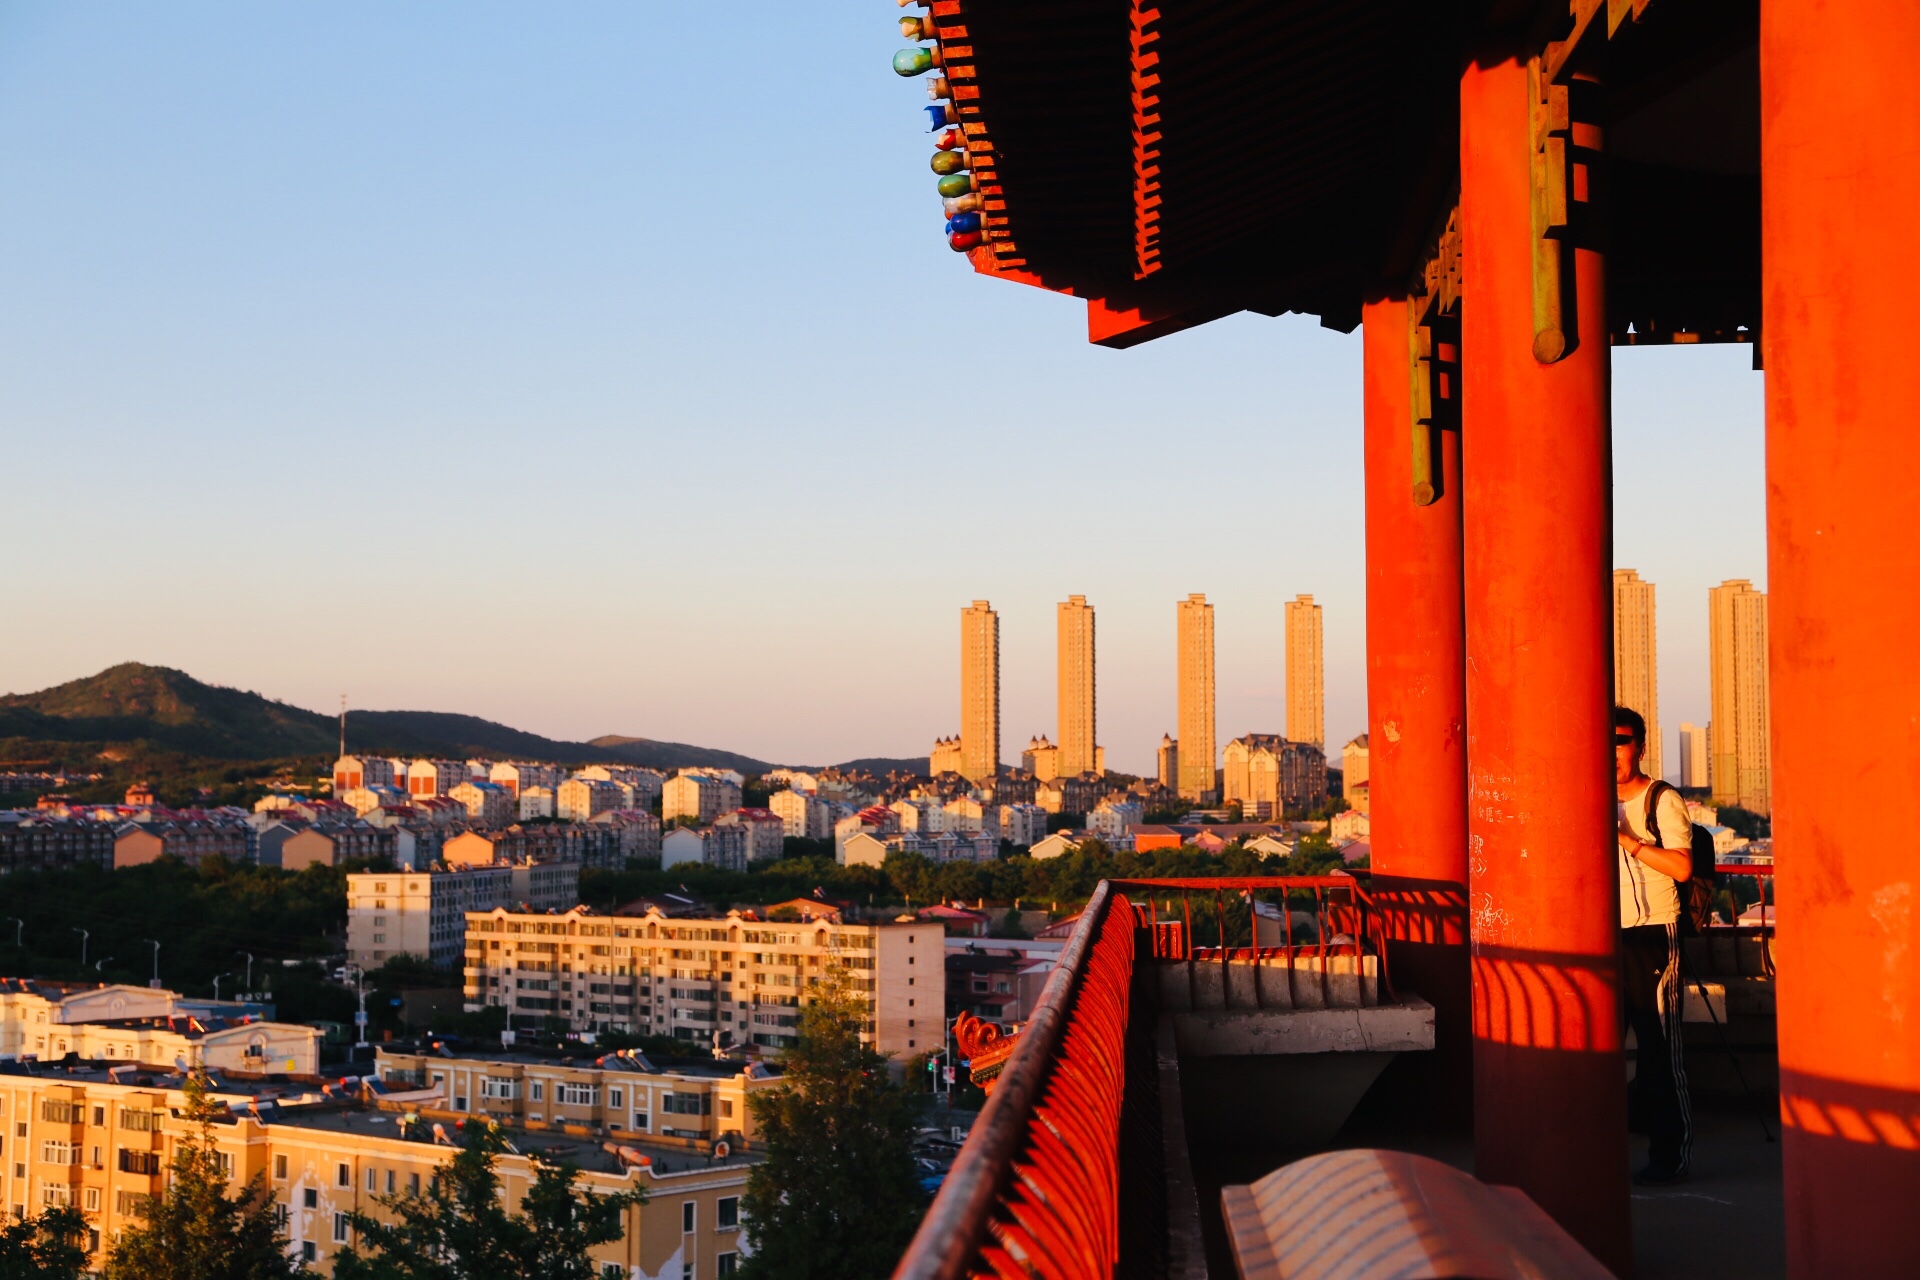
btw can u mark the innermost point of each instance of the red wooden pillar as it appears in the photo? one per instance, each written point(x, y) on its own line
point(1840, 154)
point(1549, 1078)
point(1417, 709)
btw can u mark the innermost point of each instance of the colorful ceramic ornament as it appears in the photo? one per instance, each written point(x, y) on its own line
point(960, 223)
point(911, 62)
point(951, 140)
point(955, 185)
point(938, 88)
point(916, 29)
point(945, 162)
point(965, 204)
point(942, 114)
point(962, 241)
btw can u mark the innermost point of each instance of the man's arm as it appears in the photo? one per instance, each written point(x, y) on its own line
point(1673, 856)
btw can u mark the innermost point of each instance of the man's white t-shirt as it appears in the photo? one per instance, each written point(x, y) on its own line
point(1646, 895)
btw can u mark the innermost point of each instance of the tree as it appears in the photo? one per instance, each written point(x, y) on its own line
point(48, 1247)
point(194, 1230)
point(459, 1227)
point(838, 1193)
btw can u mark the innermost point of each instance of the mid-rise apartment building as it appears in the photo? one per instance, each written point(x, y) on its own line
point(1265, 774)
point(536, 802)
point(579, 799)
point(350, 772)
point(803, 816)
point(700, 794)
point(424, 913)
point(720, 846)
point(742, 978)
point(102, 1140)
point(766, 832)
point(1020, 824)
point(35, 841)
point(487, 803)
point(516, 777)
point(189, 839)
point(429, 778)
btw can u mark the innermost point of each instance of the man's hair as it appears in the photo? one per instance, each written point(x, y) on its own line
point(1629, 719)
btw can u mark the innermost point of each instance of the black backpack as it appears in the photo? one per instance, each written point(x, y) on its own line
point(1697, 891)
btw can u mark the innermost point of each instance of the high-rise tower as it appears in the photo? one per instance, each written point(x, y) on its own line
point(979, 691)
point(1737, 621)
point(1636, 668)
point(1197, 780)
point(1077, 730)
point(1306, 674)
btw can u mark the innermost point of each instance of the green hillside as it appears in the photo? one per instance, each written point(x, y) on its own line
point(137, 716)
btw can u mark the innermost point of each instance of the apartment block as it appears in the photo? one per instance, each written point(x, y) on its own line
point(1041, 759)
point(1112, 819)
point(1354, 774)
point(517, 777)
point(350, 772)
point(1741, 696)
point(486, 803)
point(429, 778)
point(1078, 708)
point(641, 786)
point(1693, 755)
point(714, 846)
point(423, 913)
point(1195, 759)
point(1266, 773)
point(742, 979)
point(1636, 662)
point(766, 832)
point(946, 757)
point(636, 831)
point(803, 816)
point(34, 841)
point(536, 802)
point(1306, 673)
point(102, 1141)
point(579, 799)
point(700, 794)
point(189, 839)
point(1022, 824)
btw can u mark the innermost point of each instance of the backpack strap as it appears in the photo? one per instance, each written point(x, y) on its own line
point(1655, 790)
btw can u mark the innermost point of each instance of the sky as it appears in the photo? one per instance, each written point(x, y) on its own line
point(602, 368)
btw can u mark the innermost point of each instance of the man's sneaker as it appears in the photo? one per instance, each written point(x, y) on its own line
point(1658, 1175)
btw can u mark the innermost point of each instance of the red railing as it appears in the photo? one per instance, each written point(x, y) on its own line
point(1046, 1185)
point(1760, 873)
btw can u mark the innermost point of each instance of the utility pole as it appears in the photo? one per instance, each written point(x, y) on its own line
point(84, 935)
point(156, 962)
point(216, 985)
point(360, 1018)
point(249, 956)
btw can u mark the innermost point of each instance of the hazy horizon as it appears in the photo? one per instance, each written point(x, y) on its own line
point(585, 371)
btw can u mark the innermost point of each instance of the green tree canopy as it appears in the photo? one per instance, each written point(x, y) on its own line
point(48, 1247)
point(838, 1193)
point(459, 1227)
point(194, 1230)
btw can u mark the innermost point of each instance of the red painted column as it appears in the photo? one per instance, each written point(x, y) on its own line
point(1840, 156)
point(1416, 714)
point(1549, 1078)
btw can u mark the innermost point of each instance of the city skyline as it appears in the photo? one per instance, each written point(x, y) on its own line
point(288, 273)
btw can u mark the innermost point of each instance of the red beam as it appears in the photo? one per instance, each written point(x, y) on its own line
point(1417, 707)
point(1549, 1077)
point(1840, 148)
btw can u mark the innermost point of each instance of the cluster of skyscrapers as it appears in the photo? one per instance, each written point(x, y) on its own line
point(1730, 753)
point(1189, 763)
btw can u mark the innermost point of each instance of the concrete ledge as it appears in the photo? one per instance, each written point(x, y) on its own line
point(1397, 1027)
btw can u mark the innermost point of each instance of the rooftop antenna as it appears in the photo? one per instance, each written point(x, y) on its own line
point(343, 724)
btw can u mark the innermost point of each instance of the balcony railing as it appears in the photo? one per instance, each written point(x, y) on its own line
point(1063, 1176)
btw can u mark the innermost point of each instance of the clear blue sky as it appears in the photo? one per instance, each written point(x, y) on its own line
point(601, 368)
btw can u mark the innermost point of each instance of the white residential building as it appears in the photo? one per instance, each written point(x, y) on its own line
point(803, 815)
point(743, 978)
point(1023, 825)
point(874, 820)
point(1349, 826)
point(583, 799)
point(536, 802)
point(699, 794)
point(861, 849)
point(428, 778)
point(350, 772)
point(518, 776)
point(716, 846)
point(1112, 819)
point(766, 832)
point(967, 816)
point(487, 803)
point(365, 800)
point(423, 913)
point(795, 780)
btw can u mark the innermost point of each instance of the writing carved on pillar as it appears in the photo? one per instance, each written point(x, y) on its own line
point(1433, 328)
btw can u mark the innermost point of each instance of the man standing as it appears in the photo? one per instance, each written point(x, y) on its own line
point(1655, 837)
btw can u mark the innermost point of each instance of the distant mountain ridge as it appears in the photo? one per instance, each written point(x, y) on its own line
point(169, 710)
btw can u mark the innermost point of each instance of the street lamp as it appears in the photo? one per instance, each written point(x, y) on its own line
point(84, 935)
point(156, 961)
point(216, 985)
point(102, 961)
point(360, 1018)
point(249, 956)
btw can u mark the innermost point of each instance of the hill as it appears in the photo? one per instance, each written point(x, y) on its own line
point(134, 710)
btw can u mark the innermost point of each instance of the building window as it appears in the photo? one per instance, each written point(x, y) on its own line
point(725, 1264)
point(342, 1176)
point(616, 1098)
point(146, 1163)
point(373, 1178)
point(389, 1182)
point(687, 1208)
point(93, 1200)
point(100, 1113)
point(413, 1184)
point(727, 1213)
point(310, 1198)
point(539, 1091)
point(339, 1228)
point(308, 1251)
point(280, 1168)
point(459, 1102)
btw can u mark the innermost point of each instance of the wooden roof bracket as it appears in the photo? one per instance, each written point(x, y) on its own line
point(1433, 350)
